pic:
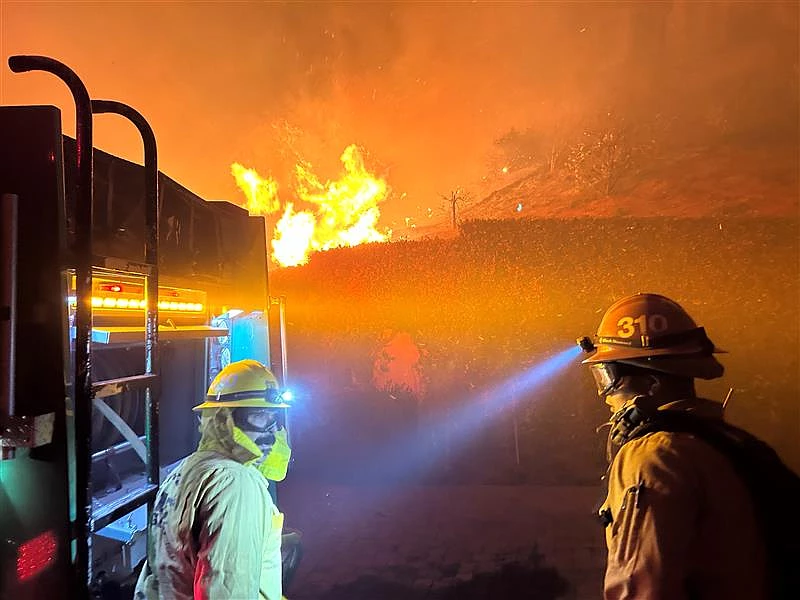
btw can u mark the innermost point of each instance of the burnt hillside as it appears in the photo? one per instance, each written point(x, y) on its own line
point(738, 178)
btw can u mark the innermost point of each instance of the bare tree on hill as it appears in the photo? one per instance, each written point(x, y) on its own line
point(456, 197)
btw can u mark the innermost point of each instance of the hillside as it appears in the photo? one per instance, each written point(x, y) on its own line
point(703, 181)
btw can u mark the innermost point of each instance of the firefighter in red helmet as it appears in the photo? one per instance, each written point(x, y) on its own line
point(679, 521)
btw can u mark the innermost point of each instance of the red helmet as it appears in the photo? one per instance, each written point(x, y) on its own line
point(654, 332)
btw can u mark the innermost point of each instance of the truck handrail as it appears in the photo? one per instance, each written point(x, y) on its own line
point(82, 252)
point(151, 218)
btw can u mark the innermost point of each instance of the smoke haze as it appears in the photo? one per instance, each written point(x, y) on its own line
point(425, 88)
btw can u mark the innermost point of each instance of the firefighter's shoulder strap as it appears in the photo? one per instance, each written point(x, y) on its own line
point(774, 487)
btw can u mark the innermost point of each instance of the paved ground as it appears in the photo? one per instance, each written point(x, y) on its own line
point(445, 542)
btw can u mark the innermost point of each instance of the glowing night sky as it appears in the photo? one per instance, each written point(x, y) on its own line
point(425, 88)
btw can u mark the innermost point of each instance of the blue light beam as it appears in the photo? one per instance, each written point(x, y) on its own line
point(406, 455)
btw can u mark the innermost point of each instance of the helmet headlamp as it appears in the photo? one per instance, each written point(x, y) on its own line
point(586, 344)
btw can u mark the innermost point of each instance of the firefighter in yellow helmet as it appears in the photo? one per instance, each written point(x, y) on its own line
point(679, 522)
point(215, 532)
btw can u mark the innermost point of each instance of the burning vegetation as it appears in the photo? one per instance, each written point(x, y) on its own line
point(343, 212)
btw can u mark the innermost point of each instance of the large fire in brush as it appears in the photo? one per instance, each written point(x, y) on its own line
point(345, 212)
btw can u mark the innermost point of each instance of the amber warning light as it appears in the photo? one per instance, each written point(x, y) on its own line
point(35, 555)
point(112, 295)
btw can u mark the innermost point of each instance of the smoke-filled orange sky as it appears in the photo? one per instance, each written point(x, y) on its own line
point(425, 88)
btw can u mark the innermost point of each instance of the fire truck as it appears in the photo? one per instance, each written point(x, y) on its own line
point(123, 294)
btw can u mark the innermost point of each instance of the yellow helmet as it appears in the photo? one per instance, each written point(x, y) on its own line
point(653, 332)
point(245, 383)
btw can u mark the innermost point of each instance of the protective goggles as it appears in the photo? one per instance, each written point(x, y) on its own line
point(606, 376)
point(261, 420)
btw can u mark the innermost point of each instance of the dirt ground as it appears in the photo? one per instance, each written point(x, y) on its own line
point(444, 542)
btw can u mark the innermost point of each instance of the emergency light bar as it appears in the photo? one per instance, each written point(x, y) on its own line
point(109, 302)
point(108, 294)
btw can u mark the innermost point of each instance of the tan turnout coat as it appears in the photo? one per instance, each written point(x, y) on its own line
point(683, 525)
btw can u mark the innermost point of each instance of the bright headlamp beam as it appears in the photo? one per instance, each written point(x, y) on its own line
point(517, 385)
point(405, 455)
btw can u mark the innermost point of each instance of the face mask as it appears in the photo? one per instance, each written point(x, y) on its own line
point(276, 464)
point(243, 440)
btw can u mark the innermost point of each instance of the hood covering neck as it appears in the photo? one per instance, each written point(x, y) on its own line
point(638, 414)
point(219, 434)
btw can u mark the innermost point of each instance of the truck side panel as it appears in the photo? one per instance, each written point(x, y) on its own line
point(34, 496)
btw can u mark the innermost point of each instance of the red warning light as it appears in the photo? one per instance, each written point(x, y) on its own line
point(35, 555)
point(111, 287)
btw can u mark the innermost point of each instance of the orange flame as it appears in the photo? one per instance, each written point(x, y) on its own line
point(261, 194)
point(346, 210)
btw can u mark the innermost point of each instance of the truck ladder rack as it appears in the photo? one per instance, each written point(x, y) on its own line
point(145, 494)
point(79, 255)
point(115, 450)
point(110, 512)
point(112, 387)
